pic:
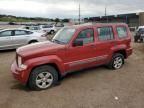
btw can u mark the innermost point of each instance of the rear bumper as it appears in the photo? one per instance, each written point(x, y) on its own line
point(129, 51)
point(18, 74)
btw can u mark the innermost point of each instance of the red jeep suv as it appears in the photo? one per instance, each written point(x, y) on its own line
point(73, 48)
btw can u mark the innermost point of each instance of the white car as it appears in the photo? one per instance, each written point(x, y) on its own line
point(58, 26)
point(33, 28)
point(14, 38)
point(48, 28)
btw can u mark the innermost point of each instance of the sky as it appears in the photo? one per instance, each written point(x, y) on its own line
point(69, 8)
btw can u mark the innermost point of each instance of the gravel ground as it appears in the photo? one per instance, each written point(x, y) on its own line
point(97, 87)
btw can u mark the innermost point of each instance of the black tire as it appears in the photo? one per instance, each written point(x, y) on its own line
point(135, 39)
point(52, 32)
point(40, 70)
point(141, 40)
point(111, 64)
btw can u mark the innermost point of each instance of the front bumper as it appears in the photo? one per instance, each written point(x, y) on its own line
point(19, 74)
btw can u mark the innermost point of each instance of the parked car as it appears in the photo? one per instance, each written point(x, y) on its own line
point(14, 38)
point(58, 26)
point(33, 28)
point(139, 35)
point(72, 48)
point(48, 28)
point(52, 28)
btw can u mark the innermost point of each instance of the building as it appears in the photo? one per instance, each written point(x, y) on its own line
point(132, 19)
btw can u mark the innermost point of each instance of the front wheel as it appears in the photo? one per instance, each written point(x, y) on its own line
point(43, 77)
point(117, 61)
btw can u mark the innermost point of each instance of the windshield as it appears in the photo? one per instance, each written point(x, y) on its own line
point(64, 35)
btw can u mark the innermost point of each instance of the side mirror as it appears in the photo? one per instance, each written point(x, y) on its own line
point(78, 43)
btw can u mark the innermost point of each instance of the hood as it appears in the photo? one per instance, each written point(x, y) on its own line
point(40, 47)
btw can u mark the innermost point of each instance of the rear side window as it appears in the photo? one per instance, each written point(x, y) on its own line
point(122, 32)
point(87, 36)
point(28, 32)
point(22, 32)
point(105, 33)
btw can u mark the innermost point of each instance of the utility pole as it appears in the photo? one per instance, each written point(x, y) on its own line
point(79, 13)
point(106, 13)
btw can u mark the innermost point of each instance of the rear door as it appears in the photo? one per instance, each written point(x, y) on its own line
point(20, 38)
point(105, 42)
point(5, 39)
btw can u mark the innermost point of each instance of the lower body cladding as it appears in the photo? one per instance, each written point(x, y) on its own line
point(22, 75)
point(129, 52)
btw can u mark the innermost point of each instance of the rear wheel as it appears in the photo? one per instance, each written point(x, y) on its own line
point(43, 77)
point(135, 39)
point(52, 32)
point(141, 40)
point(117, 61)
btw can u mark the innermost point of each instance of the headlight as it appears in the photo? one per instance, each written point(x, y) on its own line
point(20, 64)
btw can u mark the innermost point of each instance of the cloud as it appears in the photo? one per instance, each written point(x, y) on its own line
point(68, 8)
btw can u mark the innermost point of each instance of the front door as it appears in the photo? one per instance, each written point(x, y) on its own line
point(78, 57)
point(5, 39)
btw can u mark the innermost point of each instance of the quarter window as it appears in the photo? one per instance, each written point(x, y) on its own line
point(105, 33)
point(87, 36)
point(122, 32)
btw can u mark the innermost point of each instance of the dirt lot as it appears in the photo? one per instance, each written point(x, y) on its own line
point(92, 88)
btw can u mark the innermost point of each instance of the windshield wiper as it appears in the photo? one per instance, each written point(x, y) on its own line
point(57, 41)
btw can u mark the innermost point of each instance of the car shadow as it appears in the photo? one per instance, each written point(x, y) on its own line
point(18, 86)
point(76, 74)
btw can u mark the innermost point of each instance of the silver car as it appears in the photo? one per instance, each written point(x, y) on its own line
point(14, 38)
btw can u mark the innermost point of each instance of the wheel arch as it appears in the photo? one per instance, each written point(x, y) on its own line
point(122, 51)
point(46, 64)
point(33, 40)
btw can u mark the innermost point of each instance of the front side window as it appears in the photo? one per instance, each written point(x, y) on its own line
point(105, 33)
point(5, 33)
point(122, 32)
point(64, 35)
point(87, 36)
